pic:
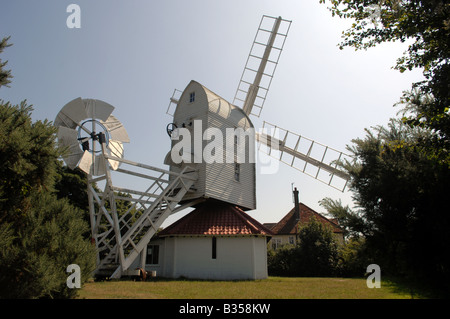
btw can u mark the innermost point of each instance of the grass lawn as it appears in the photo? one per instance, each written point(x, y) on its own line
point(271, 288)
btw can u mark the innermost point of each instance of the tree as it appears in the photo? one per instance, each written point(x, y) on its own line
point(352, 222)
point(401, 173)
point(34, 259)
point(28, 155)
point(72, 184)
point(315, 255)
point(40, 235)
point(5, 75)
point(354, 258)
point(427, 24)
point(317, 252)
point(280, 262)
point(401, 195)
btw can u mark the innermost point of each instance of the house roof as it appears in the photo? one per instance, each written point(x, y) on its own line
point(289, 225)
point(216, 218)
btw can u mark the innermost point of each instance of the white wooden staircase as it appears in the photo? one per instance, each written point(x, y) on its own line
point(123, 220)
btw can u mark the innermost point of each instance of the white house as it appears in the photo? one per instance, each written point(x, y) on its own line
point(216, 241)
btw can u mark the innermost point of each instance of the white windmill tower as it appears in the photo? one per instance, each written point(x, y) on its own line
point(198, 109)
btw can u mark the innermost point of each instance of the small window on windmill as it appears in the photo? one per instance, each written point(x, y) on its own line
point(191, 97)
point(237, 172)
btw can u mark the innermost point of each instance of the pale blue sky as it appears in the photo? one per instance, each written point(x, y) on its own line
point(133, 54)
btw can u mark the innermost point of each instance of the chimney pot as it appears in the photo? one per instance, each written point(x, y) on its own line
point(297, 205)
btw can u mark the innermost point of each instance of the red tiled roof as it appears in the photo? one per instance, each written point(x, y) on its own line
point(216, 218)
point(289, 225)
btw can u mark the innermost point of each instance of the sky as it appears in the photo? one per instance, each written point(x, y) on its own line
point(133, 54)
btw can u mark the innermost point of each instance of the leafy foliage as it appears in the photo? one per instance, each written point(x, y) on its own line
point(317, 251)
point(426, 23)
point(28, 155)
point(40, 234)
point(316, 254)
point(401, 174)
point(401, 198)
point(71, 184)
point(354, 258)
point(351, 222)
point(34, 261)
point(5, 75)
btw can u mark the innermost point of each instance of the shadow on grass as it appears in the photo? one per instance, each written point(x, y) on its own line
point(414, 289)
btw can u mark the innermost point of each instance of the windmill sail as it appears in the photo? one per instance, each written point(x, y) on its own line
point(78, 122)
point(308, 156)
point(261, 64)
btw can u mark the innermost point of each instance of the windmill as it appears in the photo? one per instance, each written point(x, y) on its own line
point(231, 181)
point(94, 141)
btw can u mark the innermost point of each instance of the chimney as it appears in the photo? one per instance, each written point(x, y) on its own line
point(297, 205)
